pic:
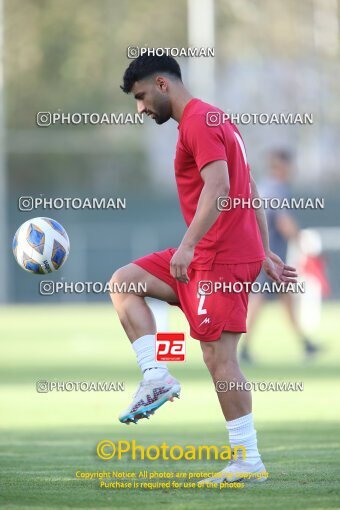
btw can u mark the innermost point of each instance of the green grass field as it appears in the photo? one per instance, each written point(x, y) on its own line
point(46, 438)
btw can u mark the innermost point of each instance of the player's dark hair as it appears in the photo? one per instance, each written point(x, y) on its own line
point(284, 155)
point(147, 65)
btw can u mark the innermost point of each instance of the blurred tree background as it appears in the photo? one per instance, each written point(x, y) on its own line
point(69, 56)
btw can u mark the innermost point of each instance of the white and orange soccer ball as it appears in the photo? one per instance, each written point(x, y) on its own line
point(41, 245)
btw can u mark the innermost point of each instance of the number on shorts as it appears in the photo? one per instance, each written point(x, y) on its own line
point(201, 310)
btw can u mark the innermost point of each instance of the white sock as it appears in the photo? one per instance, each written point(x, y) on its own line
point(145, 349)
point(243, 433)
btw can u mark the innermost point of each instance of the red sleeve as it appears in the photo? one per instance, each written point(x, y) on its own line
point(205, 143)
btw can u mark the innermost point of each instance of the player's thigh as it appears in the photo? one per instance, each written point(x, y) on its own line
point(155, 288)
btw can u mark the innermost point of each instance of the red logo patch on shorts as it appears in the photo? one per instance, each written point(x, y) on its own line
point(170, 347)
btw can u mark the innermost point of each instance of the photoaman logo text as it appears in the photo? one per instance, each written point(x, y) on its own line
point(107, 450)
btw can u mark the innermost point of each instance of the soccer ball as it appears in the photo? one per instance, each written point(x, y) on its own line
point(41, 245)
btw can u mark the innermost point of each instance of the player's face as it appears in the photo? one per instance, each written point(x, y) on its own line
point(153, 99)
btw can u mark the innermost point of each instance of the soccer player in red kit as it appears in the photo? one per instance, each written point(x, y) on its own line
point(227, 247)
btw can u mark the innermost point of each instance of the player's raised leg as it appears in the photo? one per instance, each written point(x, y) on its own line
point(136, 317)
point(221, 360)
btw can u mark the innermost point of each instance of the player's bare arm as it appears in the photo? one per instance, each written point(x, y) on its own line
point(273, 266)
point(216, 183)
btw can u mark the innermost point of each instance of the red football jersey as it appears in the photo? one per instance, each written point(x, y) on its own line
point(235, 237)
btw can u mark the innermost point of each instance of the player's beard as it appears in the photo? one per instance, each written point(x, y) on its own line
point(162, 109)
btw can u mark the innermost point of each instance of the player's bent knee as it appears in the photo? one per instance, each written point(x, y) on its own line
point(125, 277)
point(118, 276)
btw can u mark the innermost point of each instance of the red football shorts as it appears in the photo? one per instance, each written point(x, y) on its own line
point(207, 301)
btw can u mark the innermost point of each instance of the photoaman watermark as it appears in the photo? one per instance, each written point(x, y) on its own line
point(107, 450)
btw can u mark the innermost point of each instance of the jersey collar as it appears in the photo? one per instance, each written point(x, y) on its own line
point(187, 109)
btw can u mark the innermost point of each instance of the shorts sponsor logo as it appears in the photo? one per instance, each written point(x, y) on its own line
point(205, 321)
